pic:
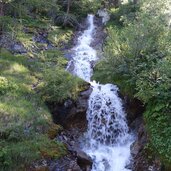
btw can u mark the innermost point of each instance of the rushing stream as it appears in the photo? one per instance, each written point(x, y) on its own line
point(107, 139)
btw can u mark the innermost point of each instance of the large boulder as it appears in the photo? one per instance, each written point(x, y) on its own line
point(84, 161)
point(18, 48)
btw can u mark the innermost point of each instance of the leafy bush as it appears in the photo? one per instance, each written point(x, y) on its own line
point(123, 14)
point(80, 8)
point(157, 117)
point(60, 85)
point(138, 59)
point(60, 37)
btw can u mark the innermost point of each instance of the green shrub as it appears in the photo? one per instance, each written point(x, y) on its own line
point(60, 37)
point(138, 59)
point(64, 19)
point(158, 117)
point(19, 155)
point(6, 86)
point(123, 14)
point(60, 85)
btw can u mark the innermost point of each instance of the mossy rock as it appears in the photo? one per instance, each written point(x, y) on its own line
point(54, 130)
point(55, 150)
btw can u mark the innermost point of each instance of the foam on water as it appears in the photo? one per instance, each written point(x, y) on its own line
point(107, 139)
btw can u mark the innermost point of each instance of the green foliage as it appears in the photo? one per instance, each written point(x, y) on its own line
point(65, 19)
point(138, 59)
point(19, 155)
point(158, 119)
point(22, 8)
point(6, 24)
point(80, 8)
point(84, 7)
point(155, 82)
point(42, 7)
point(123, 14)
point(6, 86)
point(60, 85)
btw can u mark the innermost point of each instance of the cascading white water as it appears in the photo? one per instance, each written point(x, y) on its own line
point(108, 140)
point(107, 135)
point(84, 55)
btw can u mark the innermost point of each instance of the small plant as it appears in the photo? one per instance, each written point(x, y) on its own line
point(6, 86)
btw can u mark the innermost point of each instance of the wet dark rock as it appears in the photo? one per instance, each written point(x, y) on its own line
point(141, 162)
point(68, 54)
point(41, 37)
point(41, 165)
point(71, 113)
point(84, 161)
point(71, 67)
point(74, 161)
point(18, 48)
point(134, 109)
point(100, 36)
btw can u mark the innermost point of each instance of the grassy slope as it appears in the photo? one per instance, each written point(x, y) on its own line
point(25, 121)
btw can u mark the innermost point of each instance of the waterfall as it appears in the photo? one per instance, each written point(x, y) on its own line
point(107, 138)
point(84, 55)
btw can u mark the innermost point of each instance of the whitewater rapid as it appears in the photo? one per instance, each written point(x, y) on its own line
point(107, 138)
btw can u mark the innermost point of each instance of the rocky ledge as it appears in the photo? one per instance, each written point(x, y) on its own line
point(142, 160)
point(72, 116)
